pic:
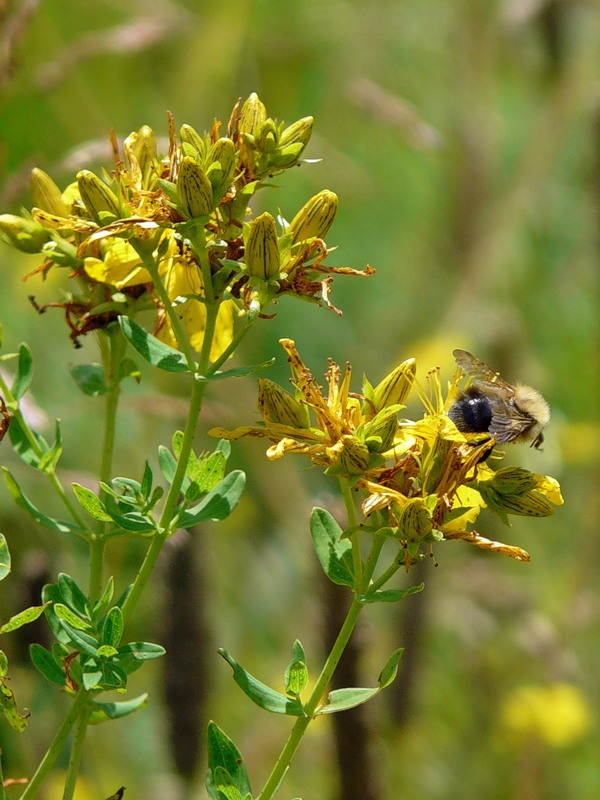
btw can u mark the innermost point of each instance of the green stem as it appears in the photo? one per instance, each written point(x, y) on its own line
point(76, 751)
point(55, 748)
point(2, 789)
point(312, 703)
point(352, 523)
point(299, 729)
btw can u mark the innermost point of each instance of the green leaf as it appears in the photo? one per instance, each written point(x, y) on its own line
point(64, 613)
point(218, 504)
point(23, 447)
point(152, 349)
point(22, 618)
point(107, 651)
point(205, 473)
point(24, 372)
point(260, 693)
point(141, 651)
point(5, 561)
point(237, 372)
point(296, 674)
point(23, 503)
point(112, 629)
point(129, 369)
point(147, 481)
point(89, 378)
point(333, 551)
point(91, 678)
point(343, 699)
point(389, 595)
point(45, 663)
point(224, 759)
point(79, 640)
point(101, 712)
point(8, 704)
point(90, 502)
point(50, 458)
point(167, 463)
point(72, 595)
point(104, 601)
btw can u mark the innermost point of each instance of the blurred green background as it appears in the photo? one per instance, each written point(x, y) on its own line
point(463, 140)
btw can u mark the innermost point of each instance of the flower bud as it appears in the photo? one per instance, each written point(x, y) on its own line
point(46, 194)
point(315, 218)
point(142, 145)
point(298, 132)
point(24, 234)
point(96, 195)
point(395, 387)
point(194, 189)
point(354, 456)
point(285, 156)
point(191, 136)
point(253, 115)
point(262, 248)
point(266, 138)
point(415, 520)
point(380, 432)
point(277, 405)
point(221, 160)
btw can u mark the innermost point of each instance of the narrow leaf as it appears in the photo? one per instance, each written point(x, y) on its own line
point(237, 372)
point(90, 502)
point(101, 712)
point(24, 372)
point(113, 627)
point(22, 445)
point(296, 674)
point(218, 504)
point(23, 503)
point(5, 560)
point(72, 595)
point(390, 595)
point(50, 458)
point(142, 651)
point(152, 349)
point(223, 756)
point(45, 663)
point(343, 699)
point(64, 613)
point(167, 463)
point(333, 551)
point(104, 601)
point(260, 693)
point(23, 618)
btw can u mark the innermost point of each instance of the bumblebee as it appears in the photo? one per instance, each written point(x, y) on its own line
point(491, 405)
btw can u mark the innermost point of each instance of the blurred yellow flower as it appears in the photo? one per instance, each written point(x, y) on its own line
point(557, 714)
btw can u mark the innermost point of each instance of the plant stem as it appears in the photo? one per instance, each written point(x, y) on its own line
point(352, 522)
point(2, 789)
point(55, 748)
point(76, 751)
point(312, 703)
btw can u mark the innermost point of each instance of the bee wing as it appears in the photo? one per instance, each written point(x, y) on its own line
point(508, 423)
point(482, 374)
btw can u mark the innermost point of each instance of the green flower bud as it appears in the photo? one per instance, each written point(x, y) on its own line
point(266, 138)
point(222, 161)
point(96, 196)
point(315, 218)
point(395, 387)
point(194, 189)
point(513, 480)
point(253, 115)
point(24, 234)
point(379, 433)
point(142, 145)
point(46, 194)
point(298, 132)
point(262, 248)
point(191, 136)
point(277, 405)
point(285, 156)
point(354, 457)
point(415, 520)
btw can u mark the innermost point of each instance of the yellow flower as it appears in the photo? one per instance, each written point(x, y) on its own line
point(425, 476)
point(119, 266)
point(557, 714)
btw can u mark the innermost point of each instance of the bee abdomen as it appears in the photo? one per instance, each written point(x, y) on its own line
point(472, 413)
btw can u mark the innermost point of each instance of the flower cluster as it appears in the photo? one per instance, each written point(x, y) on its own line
point(423, 481)
point(183, 220)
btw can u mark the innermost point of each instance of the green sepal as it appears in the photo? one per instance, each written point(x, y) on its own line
point(260, 693)
point(46, 664)
point(5, 560)
point(225, 765)
point(151, 349)
point(89, 379)
point(102, 712)
point(218, 503)
point(25, 504)
point(22, 618)
point(24, 374)
point(343, 699)
point(389, 595)
point(333, 551)
point(296, 673)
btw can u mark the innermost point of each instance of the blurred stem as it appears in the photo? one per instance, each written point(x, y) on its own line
point(76, 751)
point(333, 659)
point(2, 790)
point(55, 749)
